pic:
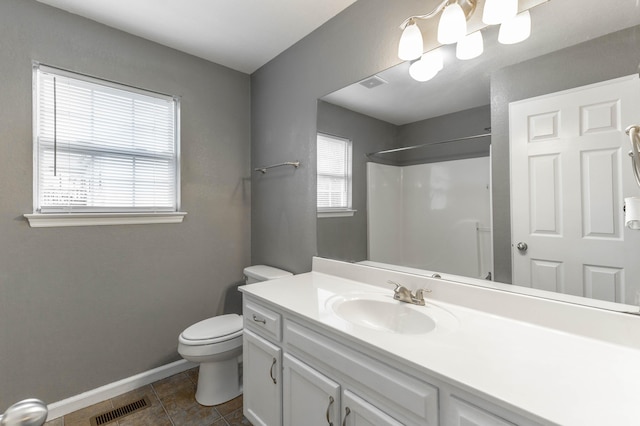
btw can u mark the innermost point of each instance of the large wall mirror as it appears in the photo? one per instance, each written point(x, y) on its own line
point(435, 188)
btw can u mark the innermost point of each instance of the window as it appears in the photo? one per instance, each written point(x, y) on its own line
point(334, 176)
point(103, 149)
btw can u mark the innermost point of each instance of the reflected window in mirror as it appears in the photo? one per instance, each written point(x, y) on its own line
point(334, 176)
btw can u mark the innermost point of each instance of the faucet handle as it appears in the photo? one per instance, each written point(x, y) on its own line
point(394, 283)
point(419, 297)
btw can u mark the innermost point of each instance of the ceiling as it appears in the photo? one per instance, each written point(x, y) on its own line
point(239, 34)
point(465, 84)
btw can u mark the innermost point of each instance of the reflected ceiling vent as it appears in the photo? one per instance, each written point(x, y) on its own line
point(372, 82)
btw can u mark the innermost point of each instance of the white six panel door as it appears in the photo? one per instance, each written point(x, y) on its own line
point(569, 175)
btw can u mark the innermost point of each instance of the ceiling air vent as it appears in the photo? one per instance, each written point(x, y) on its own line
point(372, 82)
point(118, 413)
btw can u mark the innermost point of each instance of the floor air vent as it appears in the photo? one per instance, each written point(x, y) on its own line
point(118, 413)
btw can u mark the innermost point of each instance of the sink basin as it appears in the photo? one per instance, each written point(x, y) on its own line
point(381, 312)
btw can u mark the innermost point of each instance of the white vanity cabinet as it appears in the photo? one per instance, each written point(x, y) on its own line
point(358, 412)
point(262, 385)
point(313, 399)
point(297, 372)
point(310, 397)
point(464, 413)
point(262, 365)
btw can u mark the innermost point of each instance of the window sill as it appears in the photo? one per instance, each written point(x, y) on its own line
point(51, 220)
point(336, 213)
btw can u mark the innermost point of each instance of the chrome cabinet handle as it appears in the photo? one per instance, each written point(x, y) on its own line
point(329, 409)
point(256, 319)
point(271, 371)
point(347, 411)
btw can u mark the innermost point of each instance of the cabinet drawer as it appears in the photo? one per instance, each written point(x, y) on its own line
point(410, 400)
point(262, 320)
point(467, 414)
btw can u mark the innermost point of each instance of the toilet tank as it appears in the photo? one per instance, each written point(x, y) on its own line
point(257, 273)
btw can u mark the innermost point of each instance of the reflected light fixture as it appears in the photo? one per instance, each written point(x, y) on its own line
point(470, 47)
point(452, 28)
point(428, 66)
point(516, 29)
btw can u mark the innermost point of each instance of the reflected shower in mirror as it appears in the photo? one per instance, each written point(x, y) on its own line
point(447, 207)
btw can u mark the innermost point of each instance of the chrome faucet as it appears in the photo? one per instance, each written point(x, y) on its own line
point(403, 294)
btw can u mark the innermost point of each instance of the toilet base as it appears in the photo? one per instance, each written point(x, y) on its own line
point(218, 382)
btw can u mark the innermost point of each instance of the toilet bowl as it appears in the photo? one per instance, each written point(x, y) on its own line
point(216, 344)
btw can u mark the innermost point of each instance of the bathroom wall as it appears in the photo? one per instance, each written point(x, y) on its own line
point(469, 122)
point(353, 45)
point(83, 307)
point(346, 237)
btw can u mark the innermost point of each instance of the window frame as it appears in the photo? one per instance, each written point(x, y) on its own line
point(106, 216)
point(326, 212)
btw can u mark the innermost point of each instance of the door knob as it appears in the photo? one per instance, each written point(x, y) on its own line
point(522, 246)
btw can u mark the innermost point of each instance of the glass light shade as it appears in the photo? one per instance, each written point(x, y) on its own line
point(453, 24)
point(515, 30)
point(498, 11)
point(411, 45)
point(470, 47)
point(428, 66)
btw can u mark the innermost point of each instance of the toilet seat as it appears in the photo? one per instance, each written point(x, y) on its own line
point(213, 330)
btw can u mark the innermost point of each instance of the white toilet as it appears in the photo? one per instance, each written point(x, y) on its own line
point(216, 344)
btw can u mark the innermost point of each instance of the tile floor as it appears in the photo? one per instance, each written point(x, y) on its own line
point(172, 404)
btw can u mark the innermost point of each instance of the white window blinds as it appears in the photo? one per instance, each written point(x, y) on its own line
point(103, 147)
point(334, 173)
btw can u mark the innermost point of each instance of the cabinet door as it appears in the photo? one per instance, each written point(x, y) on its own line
point(310, 397)
point(262, 374)
point(466, 414)
point(358, 412)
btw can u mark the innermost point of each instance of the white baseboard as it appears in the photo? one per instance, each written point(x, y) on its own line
point(86, 399)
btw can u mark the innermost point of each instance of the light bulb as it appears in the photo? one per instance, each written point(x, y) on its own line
point(470, 47)
point(428, 66)
point(453, 24)
point(498, 11)
point(410, 46)
point(515, 30)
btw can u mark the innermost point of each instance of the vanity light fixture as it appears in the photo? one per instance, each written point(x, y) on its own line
point(411, 46)
point(498, 11)
point(452, 28)
point(453, 24)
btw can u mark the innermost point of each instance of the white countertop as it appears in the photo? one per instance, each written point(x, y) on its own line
point(564, 378)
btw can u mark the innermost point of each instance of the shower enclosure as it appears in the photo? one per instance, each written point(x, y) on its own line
point(433, 216)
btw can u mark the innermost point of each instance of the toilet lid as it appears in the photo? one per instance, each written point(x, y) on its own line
point(219, 326)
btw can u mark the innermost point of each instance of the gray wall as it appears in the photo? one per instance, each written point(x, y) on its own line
point(473, 121)
point(283, 108)
point(345, 238)
point(83, 307)
point(614, 55)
